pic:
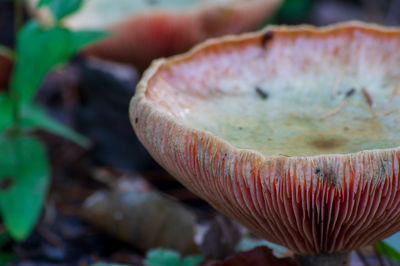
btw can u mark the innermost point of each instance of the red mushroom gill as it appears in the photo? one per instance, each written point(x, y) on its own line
point(274, 130)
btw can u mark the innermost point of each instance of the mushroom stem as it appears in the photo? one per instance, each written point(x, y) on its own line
point(325, 259)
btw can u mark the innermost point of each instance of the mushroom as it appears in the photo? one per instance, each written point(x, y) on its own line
point(241, 121)
point(143, 30)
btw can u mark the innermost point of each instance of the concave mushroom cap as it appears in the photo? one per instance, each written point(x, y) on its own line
point(293, 131)
point(143, 30)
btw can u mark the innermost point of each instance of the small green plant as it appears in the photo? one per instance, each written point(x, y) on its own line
point(292, 11)
point(247, 243)
point(5, 257)
point(24, 168)
point(108, 264)
point(165, 257)
point(390, 247)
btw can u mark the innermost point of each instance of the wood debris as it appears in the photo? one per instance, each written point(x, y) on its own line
point(335, 111)
point(369, 100)
point(335, 87)
point(391, 100)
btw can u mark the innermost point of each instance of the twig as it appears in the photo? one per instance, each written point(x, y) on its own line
point(50, 212)
point(369, 100)
point(394, 94)
point(379, 256)
point(50, 237)
point(105, 176)
point(362, 257)
point(335, 111)
point(7, 52)
point(335, 87)
point(18, 16)
point(387, 112)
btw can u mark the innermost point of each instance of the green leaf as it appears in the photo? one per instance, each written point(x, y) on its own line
point(165, 257)
point(39, 50)
point(390, 247)
point(6, 112)
point(294, 10)
point(248, 243)
point(24, 178)
point(82, 38)
point(162, 257)
point(61, 8)
point(34, 117)
point(4, 239)
point(192, 260)
point(42, 3)
point(394, 241)
point(291, 11)
point(6, 258)
point(108, 264)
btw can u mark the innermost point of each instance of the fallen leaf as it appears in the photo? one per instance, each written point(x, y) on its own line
point(145, 219)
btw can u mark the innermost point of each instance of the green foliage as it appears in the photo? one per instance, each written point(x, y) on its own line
point(24, 170)
point(295, 10)
point(192, 260)
point(39, 50)
point(158, 257)
point(108, 264)
point(292, 11)
point(248, 243)
point(24, 178)
point(390, 247)
point(61, 8)
point(4, 239)
point(6, 111)
point(165, 257)
point(33, 117)
point(6, 258)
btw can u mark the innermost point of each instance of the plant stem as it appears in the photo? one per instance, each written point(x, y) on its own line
point(18, 22)
point(6, 52)
point(324, 259)
point(16, 128)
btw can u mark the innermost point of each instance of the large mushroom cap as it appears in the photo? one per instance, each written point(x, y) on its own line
point(294, 132)
point(143, 30)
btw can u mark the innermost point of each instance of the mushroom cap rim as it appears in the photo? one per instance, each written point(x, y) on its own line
point(157, 63)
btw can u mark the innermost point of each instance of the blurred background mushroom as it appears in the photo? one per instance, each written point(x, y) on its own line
point(144, 30)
